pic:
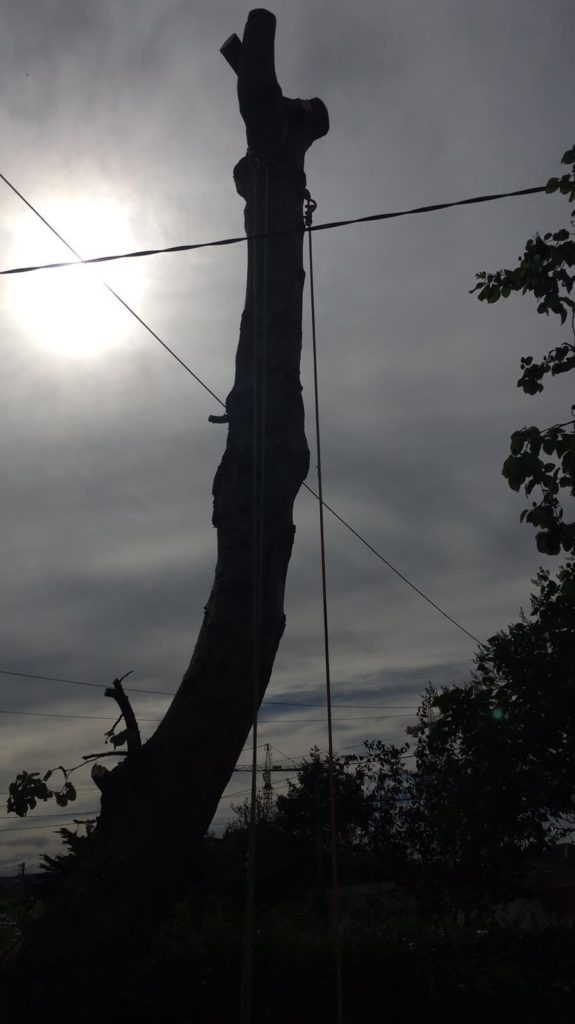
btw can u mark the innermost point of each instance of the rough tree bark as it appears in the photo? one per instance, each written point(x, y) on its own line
point(157, 805)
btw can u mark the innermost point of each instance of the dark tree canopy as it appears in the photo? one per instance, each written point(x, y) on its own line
point(454, 820)
point(495, 759)
point(305, 809)
point(490, 782)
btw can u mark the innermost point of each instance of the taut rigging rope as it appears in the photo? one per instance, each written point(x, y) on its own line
point(311, 206)
point(259, 398)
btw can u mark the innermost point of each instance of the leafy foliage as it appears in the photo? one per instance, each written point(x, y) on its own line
point(395, 967)
point(492, 783)
point(488, 784)
point(305, 809)
point(77, 844)
point(545, 270)
point(28, 788)
point(495, 778)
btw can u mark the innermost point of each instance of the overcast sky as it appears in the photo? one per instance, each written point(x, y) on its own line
point(119, 122)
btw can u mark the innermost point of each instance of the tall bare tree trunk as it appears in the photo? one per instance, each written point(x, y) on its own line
point(158, 804)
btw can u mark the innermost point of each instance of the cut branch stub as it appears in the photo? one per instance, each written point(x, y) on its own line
point(133, 738)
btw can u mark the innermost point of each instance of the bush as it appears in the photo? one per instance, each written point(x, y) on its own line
point(392, 965)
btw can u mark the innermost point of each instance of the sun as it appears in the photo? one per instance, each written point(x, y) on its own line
point(69, 311)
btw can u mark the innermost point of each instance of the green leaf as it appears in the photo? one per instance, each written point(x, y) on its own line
point(514, 471)
point(541, 516)
point(517, 441)
point(548, 543)
point(552, 185)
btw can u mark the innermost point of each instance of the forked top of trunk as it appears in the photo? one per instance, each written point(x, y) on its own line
point(279, 128)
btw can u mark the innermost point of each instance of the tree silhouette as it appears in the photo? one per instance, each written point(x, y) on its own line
point(101, 921)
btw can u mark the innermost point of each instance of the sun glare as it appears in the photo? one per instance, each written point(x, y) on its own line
point(69, 311)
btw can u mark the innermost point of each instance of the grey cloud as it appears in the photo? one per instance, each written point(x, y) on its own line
point(107, 466)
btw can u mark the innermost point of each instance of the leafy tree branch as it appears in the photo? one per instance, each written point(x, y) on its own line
point(545, 269)
point(29, 787)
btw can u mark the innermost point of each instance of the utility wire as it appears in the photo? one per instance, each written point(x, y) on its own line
point(244, 238)
point(60, 814)
point(345, 718)
point(52, 714)
point(29, 828)
point(113, 292)
point(269, 721)
point(393, 569)
point(293, 703)
point(170, 351)
point(244, 792)
point(281, 752)
point(80, 682)
point(171, 693)
point(79, 792)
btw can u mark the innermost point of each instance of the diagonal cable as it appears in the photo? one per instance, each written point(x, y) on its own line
point(112, 291)
point(328, 226)
point(393, 568)
point(188, 369)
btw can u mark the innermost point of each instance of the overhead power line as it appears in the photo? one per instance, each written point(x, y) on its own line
point(24, 828)
point(171, 693)
point(268, 721)
point(53, 714)
point(81, 793)
point(189, 247)
point(393, 569)
point(29, 828)
point(58, 814)
point(301, 704)
point(188, 369)
point(112, 291)
point(80, 682)
point(244, 792)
